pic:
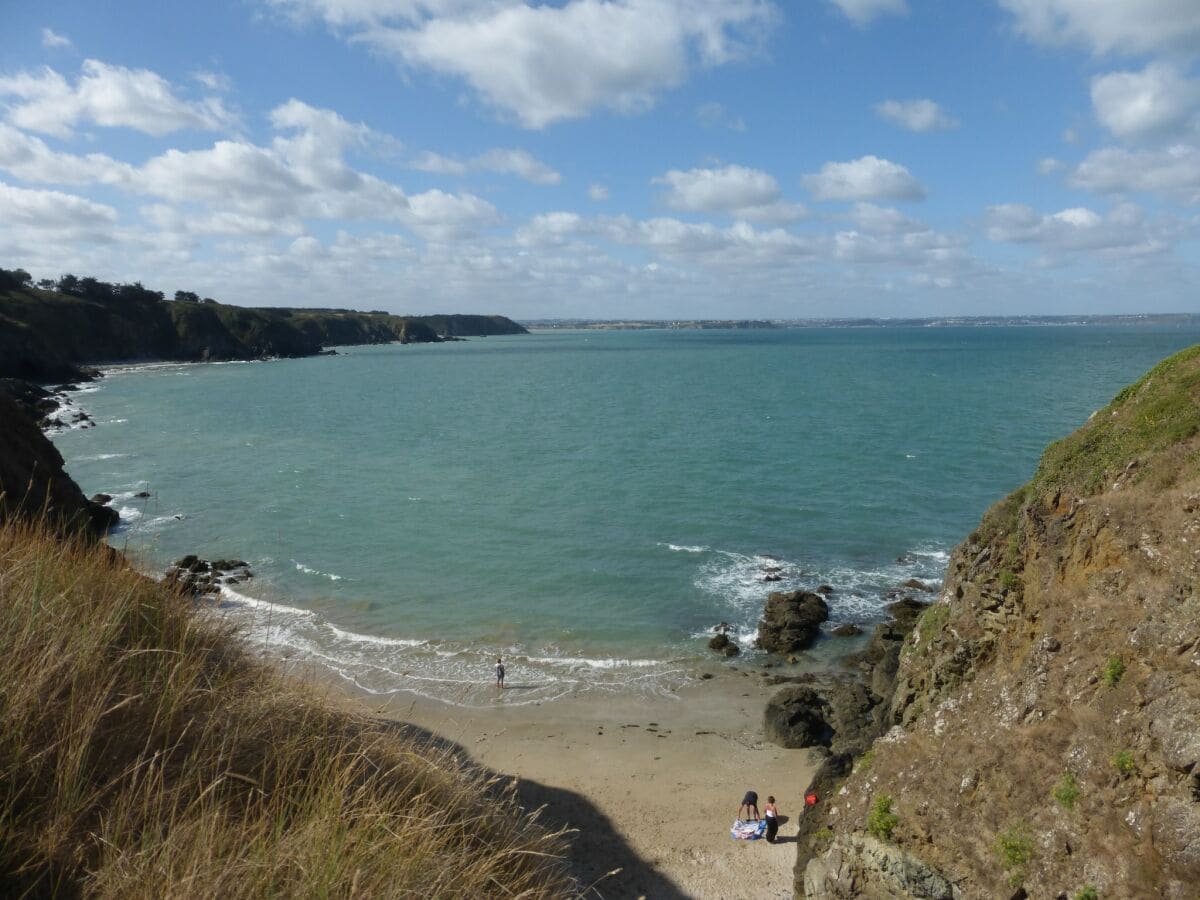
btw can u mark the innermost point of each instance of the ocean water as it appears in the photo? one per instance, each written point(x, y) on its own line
point(588, 505)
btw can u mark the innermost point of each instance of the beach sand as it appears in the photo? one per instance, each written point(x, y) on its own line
point(652, 784)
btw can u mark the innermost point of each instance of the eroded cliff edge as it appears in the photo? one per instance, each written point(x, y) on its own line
point(1045, 728)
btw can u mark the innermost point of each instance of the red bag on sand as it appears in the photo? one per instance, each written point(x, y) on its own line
point(810, 799)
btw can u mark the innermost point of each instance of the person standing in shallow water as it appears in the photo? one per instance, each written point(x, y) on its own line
point(772, 815)
point(499, 674)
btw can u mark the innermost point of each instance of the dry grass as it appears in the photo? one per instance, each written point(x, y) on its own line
point(143, 754)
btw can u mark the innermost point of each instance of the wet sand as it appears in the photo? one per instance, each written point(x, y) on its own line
point(651, 783)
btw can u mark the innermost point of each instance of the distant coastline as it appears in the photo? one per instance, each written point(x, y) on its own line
point(931, 322)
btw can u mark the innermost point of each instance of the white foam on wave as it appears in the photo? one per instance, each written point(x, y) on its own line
point(308, 570)
point(685, 548)
point(354, 637)
point(100, 457)
point(574, 662)
point(129, 514)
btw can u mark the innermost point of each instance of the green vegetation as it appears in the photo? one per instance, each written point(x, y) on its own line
point(821, 839)
point(1113, 671)
point(1088, 892)
point(864, 761)
point(1066, 792)
point(1015, 847)
point(1155, 413)
point(881, 821)
point(1123, 762)
point(1009, 580)
point(145, 754)
point(932, 621)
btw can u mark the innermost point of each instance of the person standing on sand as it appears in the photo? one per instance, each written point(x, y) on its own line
point(772, 815)
point(749, 802)
point(499, 674)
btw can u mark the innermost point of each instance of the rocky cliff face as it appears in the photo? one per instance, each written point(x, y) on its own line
point(33, 484)
point(1045, 727)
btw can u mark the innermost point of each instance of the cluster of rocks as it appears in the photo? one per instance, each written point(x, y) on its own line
point(204, 578)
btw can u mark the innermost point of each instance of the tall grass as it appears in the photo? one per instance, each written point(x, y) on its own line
point(143, 754)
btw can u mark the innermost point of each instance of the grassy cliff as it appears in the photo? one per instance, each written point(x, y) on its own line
point(143, 753)
point(46, 335)
point(1046, 718)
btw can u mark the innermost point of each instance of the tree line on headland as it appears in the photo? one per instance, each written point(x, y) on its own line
point(51, 329)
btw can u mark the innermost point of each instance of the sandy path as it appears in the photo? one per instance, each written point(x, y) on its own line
point(652, 784)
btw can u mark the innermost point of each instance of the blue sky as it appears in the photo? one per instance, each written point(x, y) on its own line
point(612, 158)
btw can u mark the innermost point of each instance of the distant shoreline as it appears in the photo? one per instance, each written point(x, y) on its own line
point(536, 325)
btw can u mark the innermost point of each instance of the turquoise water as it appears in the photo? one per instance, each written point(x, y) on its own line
point(589, 505)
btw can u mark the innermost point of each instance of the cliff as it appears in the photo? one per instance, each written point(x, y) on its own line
point(33, 484)
point(1045, 726)
point(48, 335)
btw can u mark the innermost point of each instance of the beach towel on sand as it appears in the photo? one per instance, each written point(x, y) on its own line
point(748, 831)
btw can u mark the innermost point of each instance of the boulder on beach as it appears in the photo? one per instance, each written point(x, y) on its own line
point(796, 717)
point(791, 621)
point(722, 644)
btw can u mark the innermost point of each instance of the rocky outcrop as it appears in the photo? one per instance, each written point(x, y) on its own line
point(791, 621)
point(1043, 736)
point(33, 484)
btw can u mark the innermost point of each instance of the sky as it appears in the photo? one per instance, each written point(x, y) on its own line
point(611, 159)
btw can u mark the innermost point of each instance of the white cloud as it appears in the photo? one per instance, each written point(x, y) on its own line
point(1130, 26)
point(1122, 231)
point(52, 40)
point(733, 190)
point(1155, 102)
point(110, 96)
point(214, 81)
point(506, 161)
point(545, 63)
point(866, 178)
point(1049, 166)
point(715, 115)
point(883, 220)
point(1172, 172)
point(916, 115)
point(53, 211)
point(597, 192)
point(438, 216)
point(29, 159)
point(862, 12)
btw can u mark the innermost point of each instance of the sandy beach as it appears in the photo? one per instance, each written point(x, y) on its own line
point(651, 784)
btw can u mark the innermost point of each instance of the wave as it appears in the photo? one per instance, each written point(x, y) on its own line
point(100, 457)
point(308, 570)
point(684, 548)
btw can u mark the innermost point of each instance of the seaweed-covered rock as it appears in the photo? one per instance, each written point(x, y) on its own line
point(791, 621)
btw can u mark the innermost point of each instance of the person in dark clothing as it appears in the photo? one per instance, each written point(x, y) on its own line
point(749, 802)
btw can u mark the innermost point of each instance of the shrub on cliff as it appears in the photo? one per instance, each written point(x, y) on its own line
point(143, 754)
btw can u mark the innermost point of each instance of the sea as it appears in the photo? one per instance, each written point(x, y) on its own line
point(588, 505)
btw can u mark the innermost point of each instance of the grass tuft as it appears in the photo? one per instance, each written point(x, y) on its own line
point(1066, 792)
point(881, 821)
point(143, 754)
point(1113, 672)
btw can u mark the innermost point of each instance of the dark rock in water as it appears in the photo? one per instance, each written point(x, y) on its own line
point(771, 576)
point(791, 621)
point(228, 565)
point(918, 585)
point(825, 589)
point(102, 499)
point(722, 644)
point(142, 494)
point(803, 678)
point(849, 629)
point(796, 717)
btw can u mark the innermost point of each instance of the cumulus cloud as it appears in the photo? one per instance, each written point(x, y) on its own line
point(54, 211)
point(28, 158)
point(863, 12)
point(505, 161)
point(52, 40)
point(916, 115)
point(1122, 231)
point(1129, 26)
point(438, 216)
point(110, 96)
point(734, 190)
point(543, 63)
point(1155, 102)
point(1172, 172)
point(866, 178)
point(883, 220)
point(597, 192)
